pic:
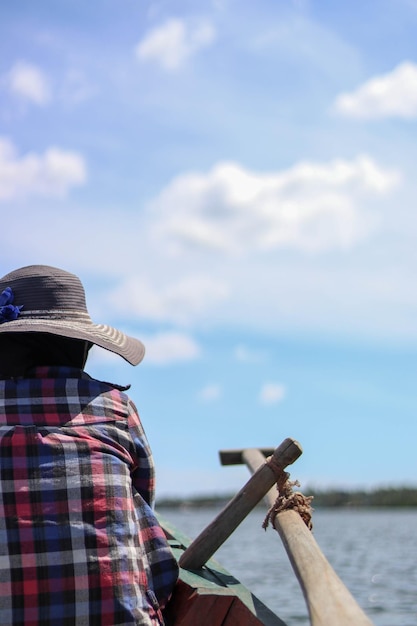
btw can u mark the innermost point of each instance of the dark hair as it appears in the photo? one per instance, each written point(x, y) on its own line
point(22, 351)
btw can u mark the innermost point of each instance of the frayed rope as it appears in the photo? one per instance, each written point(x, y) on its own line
point(287, 499)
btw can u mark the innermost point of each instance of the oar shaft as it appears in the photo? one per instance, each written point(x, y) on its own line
point(328, 600)
point(216, 533)
point(254, 459)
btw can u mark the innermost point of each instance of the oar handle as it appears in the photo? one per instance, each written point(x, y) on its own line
point(216, 533)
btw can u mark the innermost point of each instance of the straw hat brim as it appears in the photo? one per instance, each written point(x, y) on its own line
point(107, 337)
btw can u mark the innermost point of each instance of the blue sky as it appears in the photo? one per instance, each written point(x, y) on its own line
point(234, 182)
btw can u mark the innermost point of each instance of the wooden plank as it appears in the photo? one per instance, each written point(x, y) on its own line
point(206, 607)
point(190, 606)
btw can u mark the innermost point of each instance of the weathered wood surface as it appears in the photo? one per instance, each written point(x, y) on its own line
point(328, 600)
point(216, 533)
point(211, 596)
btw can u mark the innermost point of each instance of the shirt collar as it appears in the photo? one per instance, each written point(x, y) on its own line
point(63, 371)
point(55, 371)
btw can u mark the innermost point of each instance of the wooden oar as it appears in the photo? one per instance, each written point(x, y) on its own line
point(328, 600)
point(216, 533)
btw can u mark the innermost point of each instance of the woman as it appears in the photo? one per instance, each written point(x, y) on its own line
point(79, 542)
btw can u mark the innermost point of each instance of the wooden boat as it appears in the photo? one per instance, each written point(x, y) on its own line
point(208, 595)
point(211, 596)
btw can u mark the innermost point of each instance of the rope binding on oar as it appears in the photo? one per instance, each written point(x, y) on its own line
point(287, 499)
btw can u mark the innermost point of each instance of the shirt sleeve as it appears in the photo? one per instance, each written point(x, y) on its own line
point(143, 475)
point(162, 569)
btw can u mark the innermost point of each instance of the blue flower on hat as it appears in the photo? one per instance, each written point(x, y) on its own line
point(8, 311)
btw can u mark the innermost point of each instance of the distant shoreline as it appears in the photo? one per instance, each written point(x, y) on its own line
point(395, 497)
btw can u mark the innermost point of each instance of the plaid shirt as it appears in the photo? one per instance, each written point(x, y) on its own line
point(79, 542)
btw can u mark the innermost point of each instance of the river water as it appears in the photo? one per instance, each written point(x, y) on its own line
point(374, 552)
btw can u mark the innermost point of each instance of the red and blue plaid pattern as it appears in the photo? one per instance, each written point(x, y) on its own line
point(79, 542)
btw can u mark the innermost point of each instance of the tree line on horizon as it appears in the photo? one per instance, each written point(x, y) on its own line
point(379, 497)
point(398, 497)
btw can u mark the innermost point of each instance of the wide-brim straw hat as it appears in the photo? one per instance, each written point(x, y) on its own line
point(51, 300)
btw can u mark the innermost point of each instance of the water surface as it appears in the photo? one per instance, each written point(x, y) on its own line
point(374, 552)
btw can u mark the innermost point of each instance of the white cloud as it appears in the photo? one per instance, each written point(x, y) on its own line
point(50, 174)
point(390, 95)
point(179, 302)
point(164, 348)
point(272, 393)
point(209, 393)
point(170, 347)
point(311, 206)
point(245, 355)
point(29, 82)
point(98, 356)
point(174, 42)
point(76, 88)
